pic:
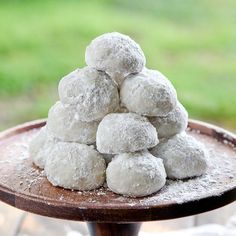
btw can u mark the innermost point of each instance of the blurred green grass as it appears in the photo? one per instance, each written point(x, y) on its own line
point(191, 42)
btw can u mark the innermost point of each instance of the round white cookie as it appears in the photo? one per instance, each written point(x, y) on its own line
point(175, 122)
point(125, 132)
point(148, 93)
point(183, 156)
point(136, 174)
point(40, 146)
point(93, 92)
point(75, 166)
point(63, 123)
point(67, 88)
point(115, 53)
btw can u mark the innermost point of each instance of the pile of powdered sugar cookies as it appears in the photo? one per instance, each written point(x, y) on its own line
point(117, 122)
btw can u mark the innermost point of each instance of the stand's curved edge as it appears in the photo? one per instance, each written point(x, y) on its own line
point(22, 128)
point(122, 215)
point(213, 131)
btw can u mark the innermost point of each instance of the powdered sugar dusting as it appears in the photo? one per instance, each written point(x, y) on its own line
point(221, 171)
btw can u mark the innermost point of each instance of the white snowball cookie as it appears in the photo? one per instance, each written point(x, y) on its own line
point(115, 53)
point(125, 132)
point(175, 122)
point(136, 174)
point(63, 123)
point(93, 92)
point(148, 93)
point(183, 156)
point(40, 146)
point(75, 166)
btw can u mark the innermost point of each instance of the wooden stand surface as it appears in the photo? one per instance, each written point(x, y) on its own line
point(24, 186)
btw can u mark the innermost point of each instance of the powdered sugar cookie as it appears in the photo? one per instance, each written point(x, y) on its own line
point(183, 156)
point(93, 92)
point(75, 166)
point(135, 174)
point(175, 122)
point(148, 93)
point(63, 123)
point(125, 132)
point(115, 53)
point(40, 146)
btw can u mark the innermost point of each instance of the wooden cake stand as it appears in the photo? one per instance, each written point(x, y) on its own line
point(24, 186)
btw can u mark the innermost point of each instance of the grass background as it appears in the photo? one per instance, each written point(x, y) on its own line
point(192, 42)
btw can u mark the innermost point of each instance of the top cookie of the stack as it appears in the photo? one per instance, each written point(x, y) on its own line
point(116, 54)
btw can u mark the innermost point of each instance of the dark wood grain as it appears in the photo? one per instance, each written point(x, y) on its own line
point(109, 229)
point(24, 186)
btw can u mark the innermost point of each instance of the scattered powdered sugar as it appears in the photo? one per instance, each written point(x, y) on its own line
point(220, 174)
point(20, 175)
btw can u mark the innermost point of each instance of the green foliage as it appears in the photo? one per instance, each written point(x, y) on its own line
point(192, 42)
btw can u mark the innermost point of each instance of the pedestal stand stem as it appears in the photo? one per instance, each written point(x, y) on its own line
point(113, 229)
